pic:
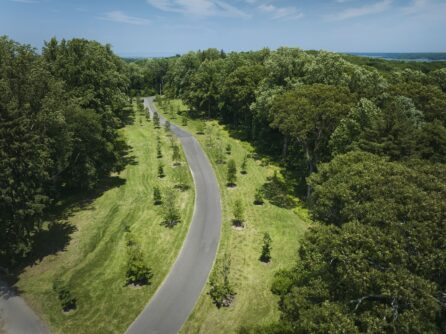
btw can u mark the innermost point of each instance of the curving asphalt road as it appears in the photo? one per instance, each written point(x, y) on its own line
point(176, 297)
point(16, 317)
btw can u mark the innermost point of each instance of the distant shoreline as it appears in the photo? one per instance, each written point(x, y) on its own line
point(403, 56)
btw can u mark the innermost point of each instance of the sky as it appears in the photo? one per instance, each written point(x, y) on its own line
point(142, 28)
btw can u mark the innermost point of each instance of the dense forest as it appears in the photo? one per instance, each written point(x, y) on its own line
point(363, 143)
point(59, 112)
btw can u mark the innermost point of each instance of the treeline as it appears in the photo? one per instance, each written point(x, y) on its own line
point(59, 115)
point(365, 147)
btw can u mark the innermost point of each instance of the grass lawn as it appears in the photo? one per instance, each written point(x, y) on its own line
point(254, 303)
point(94, 260)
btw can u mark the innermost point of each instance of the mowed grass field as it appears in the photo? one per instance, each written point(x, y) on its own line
point(254, 303)
point(94, 261)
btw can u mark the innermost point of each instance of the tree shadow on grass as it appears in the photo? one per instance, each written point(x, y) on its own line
point(277, 192)
point(56, 232)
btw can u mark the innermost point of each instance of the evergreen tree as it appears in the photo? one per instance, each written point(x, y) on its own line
point(266, 248)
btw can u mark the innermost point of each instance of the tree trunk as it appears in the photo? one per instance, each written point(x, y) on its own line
point(284, 147)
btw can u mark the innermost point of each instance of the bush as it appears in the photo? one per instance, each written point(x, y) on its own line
point(66, 299)
point(184, 121)
point(176, 156)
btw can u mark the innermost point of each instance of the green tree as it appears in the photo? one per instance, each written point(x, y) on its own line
point(231, 176)
point(266, 248)
point(176, 156)
point(171, 213)
point(221, 290)
point(239, 214)
point(228, 149)
point(161, 170)
point(243, 166)
point(167, 126)
point(157, 198)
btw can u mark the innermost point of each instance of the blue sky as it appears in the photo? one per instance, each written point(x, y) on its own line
point(164, 27)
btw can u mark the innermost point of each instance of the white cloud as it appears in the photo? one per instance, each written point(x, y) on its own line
point(350, 13)
point(198, 7)
point(121, 17)
point(276, 13)
point(415, 7)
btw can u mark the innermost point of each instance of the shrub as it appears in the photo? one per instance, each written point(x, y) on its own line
point(167, 126)
point(184, 121)
point(156, 120)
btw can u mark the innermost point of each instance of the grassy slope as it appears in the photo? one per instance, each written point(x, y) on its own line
point(254, 303)
point(95, 259)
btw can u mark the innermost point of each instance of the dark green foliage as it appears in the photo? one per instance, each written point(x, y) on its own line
point(266, 248)
point(221, 290)
point(277, 192)
point(377, 263)
point(157, 199)
point(239, 214)
point(59, 113)
point(231, 173)
point(137, 272)
point(171, 213)
point(184, 121)
point(66, 299)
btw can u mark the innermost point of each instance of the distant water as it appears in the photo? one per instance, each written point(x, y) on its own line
point(426, 56)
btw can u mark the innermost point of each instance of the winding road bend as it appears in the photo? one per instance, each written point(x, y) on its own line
point(16, 317)
point(176, 297)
